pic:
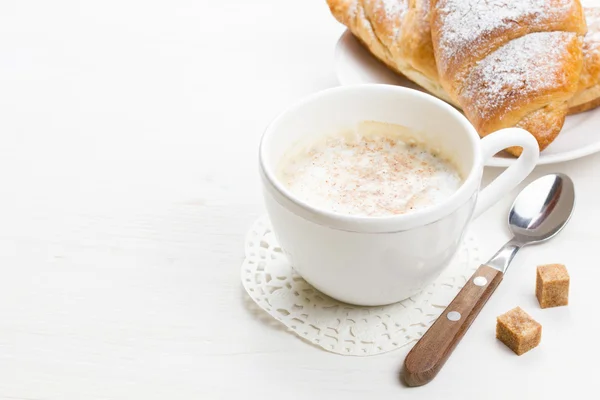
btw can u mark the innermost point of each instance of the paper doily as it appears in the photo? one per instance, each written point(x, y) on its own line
point(338, 327)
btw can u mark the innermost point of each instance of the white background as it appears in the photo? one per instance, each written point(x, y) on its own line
point(128, 179)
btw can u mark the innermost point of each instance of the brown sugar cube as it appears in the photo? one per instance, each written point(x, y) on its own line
point(552, 285)
point(518, 331)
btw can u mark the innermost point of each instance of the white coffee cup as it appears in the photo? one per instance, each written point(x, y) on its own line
point(381, 260)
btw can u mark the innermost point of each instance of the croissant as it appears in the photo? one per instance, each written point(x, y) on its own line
point(510, 63)
point(398, 32)
point(588, 93)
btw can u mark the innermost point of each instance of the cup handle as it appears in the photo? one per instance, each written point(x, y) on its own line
point(516, 173)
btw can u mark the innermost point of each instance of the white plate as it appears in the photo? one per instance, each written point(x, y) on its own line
point(580, 136)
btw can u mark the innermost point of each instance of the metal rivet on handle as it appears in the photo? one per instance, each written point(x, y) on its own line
point(480, 281)
point(453, 316)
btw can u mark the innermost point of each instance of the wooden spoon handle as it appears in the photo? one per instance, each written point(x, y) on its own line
point(430, 353)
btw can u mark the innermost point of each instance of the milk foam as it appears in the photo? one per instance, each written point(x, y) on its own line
point(374, 173)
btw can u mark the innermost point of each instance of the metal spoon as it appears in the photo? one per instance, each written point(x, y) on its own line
point(539, 212)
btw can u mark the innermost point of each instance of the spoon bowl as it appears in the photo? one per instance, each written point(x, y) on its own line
point(542, 209)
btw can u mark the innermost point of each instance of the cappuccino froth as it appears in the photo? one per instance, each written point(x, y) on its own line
point(369, 172)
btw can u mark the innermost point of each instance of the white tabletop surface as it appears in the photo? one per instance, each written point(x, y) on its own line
point(128, 180)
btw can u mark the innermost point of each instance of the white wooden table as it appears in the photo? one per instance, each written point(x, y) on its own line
point(128, 180)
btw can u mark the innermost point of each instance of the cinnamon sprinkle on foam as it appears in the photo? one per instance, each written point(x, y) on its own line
point(371, 175)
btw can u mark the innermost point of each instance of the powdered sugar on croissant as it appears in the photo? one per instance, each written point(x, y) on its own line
point(469, 25)
point(531, 66)
point(510, 62)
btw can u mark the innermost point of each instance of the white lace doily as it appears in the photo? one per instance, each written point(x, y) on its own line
point(339, 327)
